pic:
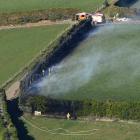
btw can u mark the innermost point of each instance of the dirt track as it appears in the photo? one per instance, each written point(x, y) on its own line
point(41, 23)
point(13, 91)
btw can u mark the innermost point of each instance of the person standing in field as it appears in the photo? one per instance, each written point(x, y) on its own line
point(68, 116)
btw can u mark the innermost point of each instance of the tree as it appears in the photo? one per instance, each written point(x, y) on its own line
point(39, 103)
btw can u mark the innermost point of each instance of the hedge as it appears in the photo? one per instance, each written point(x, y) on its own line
point(37, 15)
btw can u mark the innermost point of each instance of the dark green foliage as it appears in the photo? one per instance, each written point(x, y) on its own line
point(113, 109)
point(38, 103)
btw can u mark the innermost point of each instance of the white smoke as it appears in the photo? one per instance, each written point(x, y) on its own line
point(70, 75)
point(94, 57)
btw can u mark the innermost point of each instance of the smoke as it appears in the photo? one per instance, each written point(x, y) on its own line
point(70, 75)
point(110, 53)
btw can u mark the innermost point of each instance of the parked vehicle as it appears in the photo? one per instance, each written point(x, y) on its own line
point(95, 17)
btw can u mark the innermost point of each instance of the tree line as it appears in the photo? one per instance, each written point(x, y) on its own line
point(126, 110)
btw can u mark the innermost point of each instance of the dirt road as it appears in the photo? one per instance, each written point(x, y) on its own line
point(41, 23)
point(13, 91)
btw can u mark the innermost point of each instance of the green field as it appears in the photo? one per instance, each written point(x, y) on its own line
point(104, 66)
point(52, 129)
point(24, 5)
point(19, 46)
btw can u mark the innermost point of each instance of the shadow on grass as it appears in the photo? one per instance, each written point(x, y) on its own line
point(15, 115)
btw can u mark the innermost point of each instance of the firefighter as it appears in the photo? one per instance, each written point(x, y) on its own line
point(68, 116)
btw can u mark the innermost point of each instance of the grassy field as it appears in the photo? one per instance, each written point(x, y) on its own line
point(51, 129)
point(104, 66)
point(24, 5)
point(19, 46)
